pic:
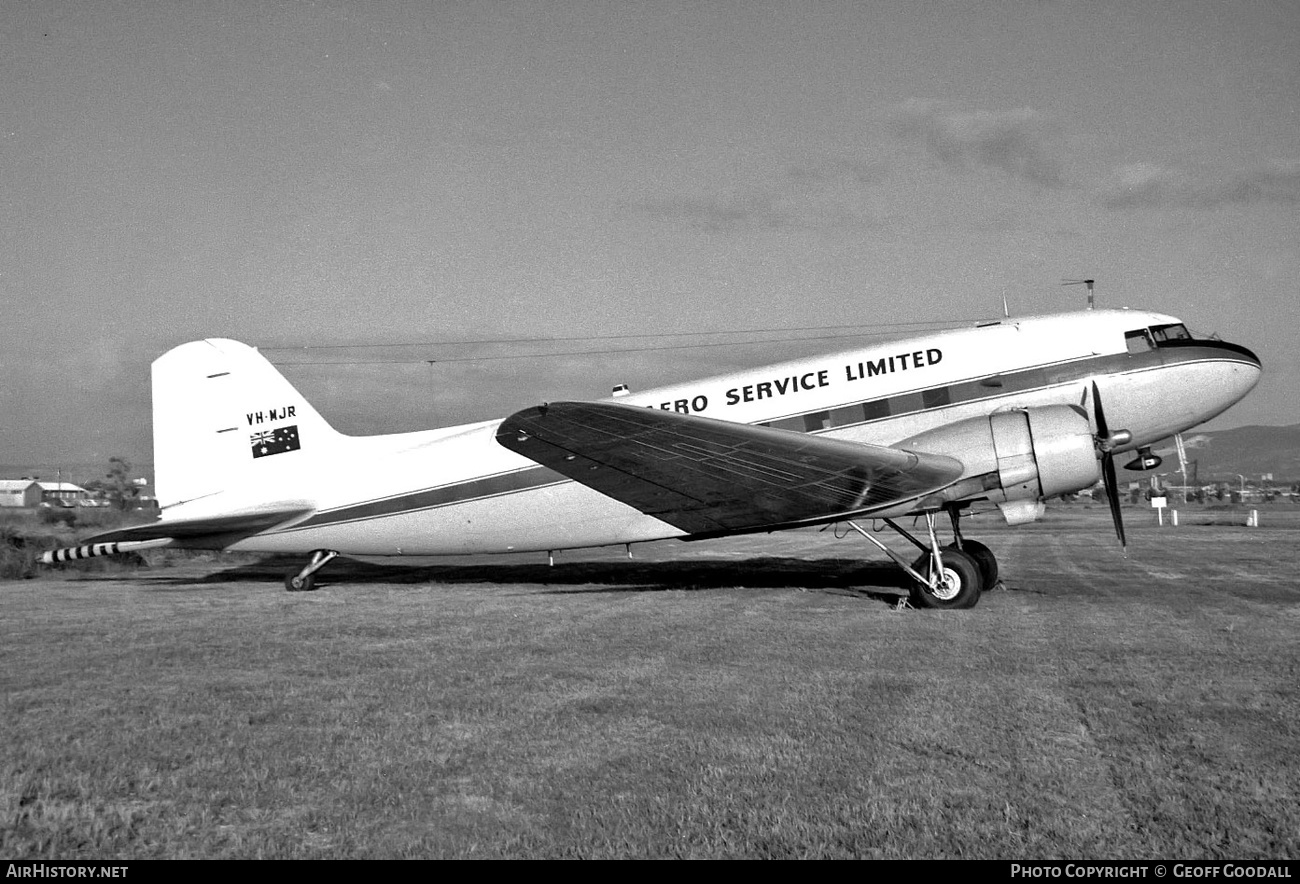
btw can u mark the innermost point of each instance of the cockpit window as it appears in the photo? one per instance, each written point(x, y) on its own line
point(1163, 333)
point(1137, 341)
point(1140, 340)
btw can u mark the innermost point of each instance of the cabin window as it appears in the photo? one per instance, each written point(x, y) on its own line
point(874, 410)
point(849, 414)
point(789, 423)
point(906, 403)
point(936, 398)
point(1137, 341)
point(969, 391)
point(818, 420)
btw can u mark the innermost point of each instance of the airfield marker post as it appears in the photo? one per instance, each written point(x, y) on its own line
point(1159, 504)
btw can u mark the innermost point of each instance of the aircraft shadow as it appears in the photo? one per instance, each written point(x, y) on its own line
point(859, 578)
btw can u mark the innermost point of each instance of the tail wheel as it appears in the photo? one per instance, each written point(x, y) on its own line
point(958, 587)
point(984, 559)
point(294, 583)
point(305, 580)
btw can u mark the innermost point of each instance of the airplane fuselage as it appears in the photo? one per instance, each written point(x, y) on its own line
point(456, 490)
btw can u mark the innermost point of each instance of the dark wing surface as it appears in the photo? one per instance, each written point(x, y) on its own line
point(708, 476)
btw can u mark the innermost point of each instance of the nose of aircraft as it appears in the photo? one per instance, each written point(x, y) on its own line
point(1246, 369)
point(1247, 354)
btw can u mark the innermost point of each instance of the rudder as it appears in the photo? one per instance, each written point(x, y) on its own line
point(224, 416)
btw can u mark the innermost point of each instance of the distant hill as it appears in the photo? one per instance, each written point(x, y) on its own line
point(1222, 455)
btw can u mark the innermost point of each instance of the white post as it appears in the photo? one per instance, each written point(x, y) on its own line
point(1159, 503)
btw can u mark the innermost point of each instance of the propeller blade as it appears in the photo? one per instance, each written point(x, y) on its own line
point(1112, 496)
point(1102, 430)
point(1108, 476)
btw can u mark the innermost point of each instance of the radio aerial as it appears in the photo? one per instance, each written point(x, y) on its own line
point(1087, 282)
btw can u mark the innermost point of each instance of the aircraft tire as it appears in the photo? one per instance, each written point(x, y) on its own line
point(963, 587)
point(984, 558)
point(295, 584)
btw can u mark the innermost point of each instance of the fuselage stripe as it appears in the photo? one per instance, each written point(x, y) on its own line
point(986, 388)
point(444, 495)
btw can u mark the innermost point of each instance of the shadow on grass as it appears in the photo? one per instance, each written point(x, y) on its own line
point(574, 577)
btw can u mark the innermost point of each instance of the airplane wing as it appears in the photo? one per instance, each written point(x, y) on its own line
point(708, 477)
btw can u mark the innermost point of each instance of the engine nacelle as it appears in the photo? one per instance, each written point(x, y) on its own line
point(1027, 454)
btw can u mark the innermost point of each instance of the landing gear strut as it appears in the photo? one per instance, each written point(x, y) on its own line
point(951, 577)
point(305, 580)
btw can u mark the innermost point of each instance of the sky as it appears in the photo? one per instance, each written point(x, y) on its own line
point(309, 177)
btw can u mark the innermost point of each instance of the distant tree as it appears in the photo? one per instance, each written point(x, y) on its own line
point(119, 485)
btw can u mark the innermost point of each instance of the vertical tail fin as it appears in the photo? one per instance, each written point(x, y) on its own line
point(223, 416)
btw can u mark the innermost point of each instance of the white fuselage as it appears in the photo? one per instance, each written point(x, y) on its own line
point(456, 490)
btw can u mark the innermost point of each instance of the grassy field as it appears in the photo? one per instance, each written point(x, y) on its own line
point(754, 697)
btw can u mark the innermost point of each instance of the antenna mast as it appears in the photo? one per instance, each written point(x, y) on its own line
point(1087, 282)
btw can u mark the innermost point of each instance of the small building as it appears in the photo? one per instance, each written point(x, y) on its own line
point(62, 493)
point(19, 492)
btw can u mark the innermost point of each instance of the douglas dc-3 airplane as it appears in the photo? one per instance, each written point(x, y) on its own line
point(1010, 413)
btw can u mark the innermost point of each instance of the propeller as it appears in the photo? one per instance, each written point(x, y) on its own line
point(1107, 442)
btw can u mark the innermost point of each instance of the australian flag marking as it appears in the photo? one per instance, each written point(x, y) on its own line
point(276, 441)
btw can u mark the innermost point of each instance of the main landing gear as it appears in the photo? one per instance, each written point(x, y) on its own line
point(305, 580)
point(948, 577)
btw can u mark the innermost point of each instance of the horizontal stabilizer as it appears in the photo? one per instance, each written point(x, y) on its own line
point(169, 531)
point(708, 476)
point(90, 550)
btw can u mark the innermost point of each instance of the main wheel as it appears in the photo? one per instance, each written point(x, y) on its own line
point(294, 583)
point(959, 586)
point(984, 559)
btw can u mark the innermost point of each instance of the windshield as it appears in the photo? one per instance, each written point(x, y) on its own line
point(1176, 332)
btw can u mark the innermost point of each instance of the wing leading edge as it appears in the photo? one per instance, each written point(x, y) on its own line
point(709, 477)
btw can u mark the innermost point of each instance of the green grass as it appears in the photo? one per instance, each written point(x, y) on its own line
point(757, 697)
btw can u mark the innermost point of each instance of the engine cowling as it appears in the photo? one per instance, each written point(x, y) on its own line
point(1026, 454)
